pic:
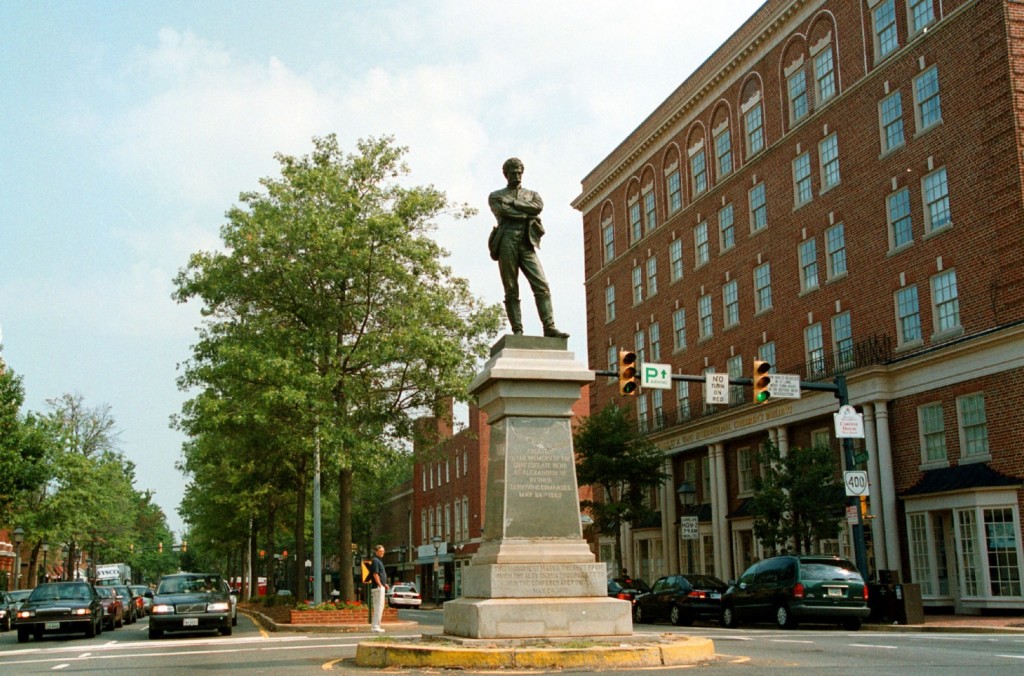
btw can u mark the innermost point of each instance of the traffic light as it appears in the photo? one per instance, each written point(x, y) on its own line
point(629, 373)
point(160, 547)
point(762, 380)
point(184, 545)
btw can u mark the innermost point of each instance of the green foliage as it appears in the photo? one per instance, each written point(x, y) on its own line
point(797, 498)
point(612, 453)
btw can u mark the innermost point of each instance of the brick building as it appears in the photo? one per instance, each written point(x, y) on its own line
point(445, 500)
point(837, 189)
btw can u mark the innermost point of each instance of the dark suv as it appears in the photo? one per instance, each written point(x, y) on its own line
point(788, 589)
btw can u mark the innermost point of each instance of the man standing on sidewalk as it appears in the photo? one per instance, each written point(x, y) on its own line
point(379, 577)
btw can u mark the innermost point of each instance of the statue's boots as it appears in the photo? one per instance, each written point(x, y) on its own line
point(515, 316)
point(547, 318)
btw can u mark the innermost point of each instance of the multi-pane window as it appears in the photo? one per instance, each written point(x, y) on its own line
point(701, 247)
point(898, 206)
point(642, 422)
point(825, 74)
point(727, 233)
point(883, 18)
point(945, 302)
point(802, 191)
point(608, 235)
point(758, 201)
point(638, 286)
point(635, 224)
point(808, 265)
point(679, 328)
point(766, 352)
point(890, 113)
point(654, 332)
point(675, 191)
point(762, 287)
point(835, 250)
point(735, 368)
point(650, 211)
point(908, 315)
point(682, 401)
point(609, 303)
point(723, 153)
point(926, 98)
point(933, 433)
point(705, 479)
point(753, 122)
point(675, 259)
point(731, 303)
point(935, 188)
point(796, 85)
point(698, 172)
point(917, 536)
point(1001, 544)
point(613, 360)
point(973, 425)
point(704, 312)
point(967, 531)
point(921, 14)
point(652, 276)
point(745, 470)
point(828, 152)
point(658, 408)
point(814, 346)
point(640, 345)
point(842, 341)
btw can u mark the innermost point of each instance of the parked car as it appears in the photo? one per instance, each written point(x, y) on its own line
point(191, 602)
point(681, 599)
point(60, 607)
point(627, 588)
point(6, 611)
point(147, 597)
point(131, 608)
point(404, 595)
point(113, 607)
point(789, 589)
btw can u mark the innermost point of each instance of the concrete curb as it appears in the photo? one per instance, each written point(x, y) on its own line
point(674, 652)
point(940, 629)
point(269, 625)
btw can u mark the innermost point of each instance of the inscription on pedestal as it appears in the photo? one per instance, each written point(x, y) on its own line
point(540, 480)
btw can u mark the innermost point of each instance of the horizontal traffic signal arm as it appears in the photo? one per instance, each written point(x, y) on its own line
point(680, 377)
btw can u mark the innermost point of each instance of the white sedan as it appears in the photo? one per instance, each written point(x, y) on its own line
point(404, 595)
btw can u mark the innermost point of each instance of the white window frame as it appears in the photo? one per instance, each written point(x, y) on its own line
point(698, 173)
point(931, 425)
point(825, 75)
point(803, 190)
point(726, 228)
point(835, 251)
point(908, 316)
point(654, 338)
point(651, 267)
point(945, 303)
point(706, 327)
point(650, 210)
point(762, 288)
point(701, 245)
point(608, 239)
point(723, 152)
point(730, 304)
point(753, 124)
point(638, 285)
point(842, 341)
point(674, 190)
point(635, 220)
point(883, 29)
point(935, 198)
point(679, 329)
point(676, 265)
point(744, 471)
point(609, 303)
point(890, 122)
point(915, 24)
point(828, 162)
point(814, 351)
point(796, 95)
point(900, 217)
point(807, 254)
point(927, 99)
point(965, 425)
point(757, 204)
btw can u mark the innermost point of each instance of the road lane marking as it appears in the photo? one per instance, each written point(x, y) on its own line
point(870, 645)
point(790, 640)
point(1012, 657)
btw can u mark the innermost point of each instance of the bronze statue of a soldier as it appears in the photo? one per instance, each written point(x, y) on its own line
point(514, 243)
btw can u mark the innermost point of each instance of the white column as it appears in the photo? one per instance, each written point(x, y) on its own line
point(888, 486)
point(716, 536)
point(874, 480)
point(721, 512)
point(627, 555)
point(783, 436)
point(669, 521)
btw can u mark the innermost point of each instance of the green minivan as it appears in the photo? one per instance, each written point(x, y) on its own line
point(789, 589)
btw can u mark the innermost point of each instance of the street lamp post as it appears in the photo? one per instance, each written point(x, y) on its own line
point(46, 573)
point(687, 493)
point(309, 582)
point(19, 537)
point(437, 546)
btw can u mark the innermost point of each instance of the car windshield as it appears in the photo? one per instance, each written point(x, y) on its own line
point(191, 584)
point(705, 582)
point(828, 570)
point(105, 592)
point(74, 591)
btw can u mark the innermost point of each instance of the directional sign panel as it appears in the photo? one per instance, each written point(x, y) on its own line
point(784, 386)
point(657, 376)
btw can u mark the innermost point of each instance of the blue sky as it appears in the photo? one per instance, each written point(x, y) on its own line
point(127, 129)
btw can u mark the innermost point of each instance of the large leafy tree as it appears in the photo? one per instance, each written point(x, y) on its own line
point(612, 454)
point(797, 499)
point(332, 321)
point(23, 444)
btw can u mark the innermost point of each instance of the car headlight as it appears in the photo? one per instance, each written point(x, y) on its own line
point(162, 609)
point(25, 614)
point(218, 607)
point(81, 611)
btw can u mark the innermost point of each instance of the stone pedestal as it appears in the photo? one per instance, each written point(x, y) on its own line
point(534, 575)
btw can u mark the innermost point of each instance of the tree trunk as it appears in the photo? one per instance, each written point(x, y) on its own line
point(345, 559)
point(254, 558)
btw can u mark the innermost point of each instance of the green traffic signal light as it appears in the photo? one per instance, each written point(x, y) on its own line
point(762, 381)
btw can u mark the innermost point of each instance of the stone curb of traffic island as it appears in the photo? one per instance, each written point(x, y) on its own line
point(669, 650)
point(942, 628)
point(269, 625)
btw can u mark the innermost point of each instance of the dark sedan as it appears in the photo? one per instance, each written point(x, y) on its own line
point(60, 607)
point(113, 608)
point(190, 602)
point(6, 611)
point(627, 588)
point(681, 599)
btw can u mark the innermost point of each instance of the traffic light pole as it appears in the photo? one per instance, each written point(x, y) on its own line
point(838, 388)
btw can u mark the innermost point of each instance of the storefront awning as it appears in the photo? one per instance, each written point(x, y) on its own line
point(960, 478)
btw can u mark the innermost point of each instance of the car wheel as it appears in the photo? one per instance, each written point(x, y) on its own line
point(234, 620)
point(852, 623)
point(7, 623)
point(729, 618)
point(783, 617)
point(23, 634)
point(638, 614)
point(154, 632)
point(119, 623)
point(680, 617)
point(225, 631)
point(90, 631)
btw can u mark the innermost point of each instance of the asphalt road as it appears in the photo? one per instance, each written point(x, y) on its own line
point(747, 650)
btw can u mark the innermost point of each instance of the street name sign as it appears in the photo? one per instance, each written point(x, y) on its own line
point(688, 529)
point(784, 386)
point(716, 388)
point(849, 423)
point(657, 376)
